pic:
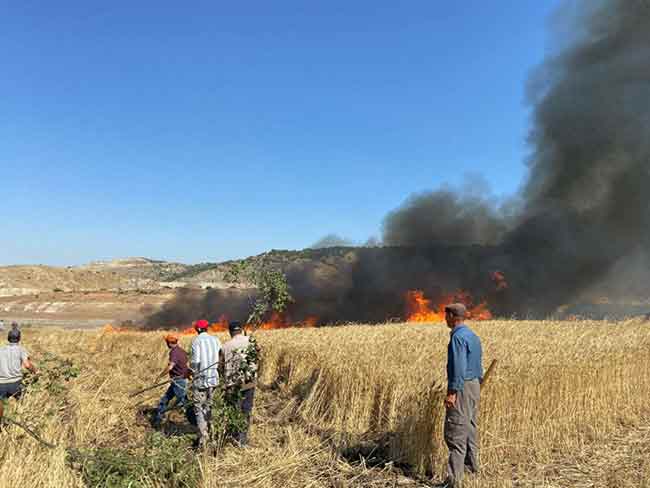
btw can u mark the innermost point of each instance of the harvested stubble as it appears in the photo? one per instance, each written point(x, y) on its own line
point(560, 387)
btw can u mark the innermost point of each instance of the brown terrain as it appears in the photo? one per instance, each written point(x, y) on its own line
point(104, 292)
point(97, 293)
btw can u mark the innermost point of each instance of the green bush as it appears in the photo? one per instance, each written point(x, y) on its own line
point(163, 461)
point(54, 372)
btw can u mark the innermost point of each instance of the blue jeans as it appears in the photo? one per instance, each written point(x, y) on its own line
point(8, 390)
point(177, 389)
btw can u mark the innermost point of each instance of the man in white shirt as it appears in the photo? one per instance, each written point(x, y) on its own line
point(205, 377)
point(13, 357)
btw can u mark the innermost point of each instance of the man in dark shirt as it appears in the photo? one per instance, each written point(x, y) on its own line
point(178, 372)
point(464, 376)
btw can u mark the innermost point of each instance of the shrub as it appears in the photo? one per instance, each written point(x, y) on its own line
point(164, 461)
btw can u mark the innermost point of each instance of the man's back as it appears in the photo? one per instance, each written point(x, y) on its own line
point(179, 357)
point(12, 357)
point(464, 357)
point(233, 353)
point(205, 360)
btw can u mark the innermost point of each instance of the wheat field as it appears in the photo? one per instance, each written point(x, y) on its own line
point(353, 406)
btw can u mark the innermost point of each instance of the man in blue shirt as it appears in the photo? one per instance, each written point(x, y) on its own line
point(464, 376)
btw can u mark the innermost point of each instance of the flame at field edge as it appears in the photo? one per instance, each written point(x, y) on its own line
point(420, 310)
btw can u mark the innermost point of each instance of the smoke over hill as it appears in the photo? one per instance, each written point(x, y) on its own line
point(585, 207)
point(582, 217)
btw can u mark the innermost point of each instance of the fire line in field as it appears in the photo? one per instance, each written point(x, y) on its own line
point(419, 308)
point(276, 321)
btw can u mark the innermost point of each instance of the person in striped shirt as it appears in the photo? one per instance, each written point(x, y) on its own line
point(204, 363)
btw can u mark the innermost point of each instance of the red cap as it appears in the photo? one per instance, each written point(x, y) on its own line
point(201, 324)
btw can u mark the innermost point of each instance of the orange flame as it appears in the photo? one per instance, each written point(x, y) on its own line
point(418, 308)
point(277, 321)
point(109, 329)
point(499, 280)
point(280, 321)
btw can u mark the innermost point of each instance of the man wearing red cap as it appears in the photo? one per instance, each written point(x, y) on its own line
point(205, 363)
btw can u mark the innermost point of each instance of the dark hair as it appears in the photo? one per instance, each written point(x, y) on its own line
point(14, 335)
point(234, 326)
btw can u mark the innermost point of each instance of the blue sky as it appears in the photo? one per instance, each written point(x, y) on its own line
point(212, 130)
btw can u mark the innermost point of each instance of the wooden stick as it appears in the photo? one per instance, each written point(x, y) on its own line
point(29, 431)
point(489, 372)
point(139, 392)
point(136, 393)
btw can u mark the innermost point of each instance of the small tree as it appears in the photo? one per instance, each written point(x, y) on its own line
point(273, 293)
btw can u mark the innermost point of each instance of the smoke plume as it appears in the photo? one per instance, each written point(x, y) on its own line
point(471, 215)
point(586, 200)
point(585, 206)
point(331, 240)
point(581, 219)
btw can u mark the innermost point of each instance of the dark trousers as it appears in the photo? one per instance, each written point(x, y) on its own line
point(9, 390)
point(461, 433)
point(177, 389)
point(244, 402)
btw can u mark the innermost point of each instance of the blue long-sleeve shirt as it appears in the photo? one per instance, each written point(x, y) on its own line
point(464, 356)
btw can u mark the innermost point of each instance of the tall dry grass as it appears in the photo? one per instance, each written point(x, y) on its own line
point(560, 387)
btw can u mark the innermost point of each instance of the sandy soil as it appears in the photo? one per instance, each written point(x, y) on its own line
point(80, 309)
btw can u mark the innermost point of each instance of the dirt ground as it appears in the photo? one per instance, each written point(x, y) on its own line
point(80, 309)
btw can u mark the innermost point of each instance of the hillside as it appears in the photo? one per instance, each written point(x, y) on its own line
point(106, 291)
point(339, 284)
point(142, 273)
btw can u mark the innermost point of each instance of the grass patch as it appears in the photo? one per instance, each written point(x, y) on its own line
point(162, 461)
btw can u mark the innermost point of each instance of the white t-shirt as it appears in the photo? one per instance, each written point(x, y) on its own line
point(12, 357)
point(205, 360)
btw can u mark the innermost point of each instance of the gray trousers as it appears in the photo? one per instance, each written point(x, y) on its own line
point(203, 411)
point(461, 433)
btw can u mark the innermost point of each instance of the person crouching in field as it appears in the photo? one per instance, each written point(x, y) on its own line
point(239, 366)
point(464, 376)
point(205, 364)
point(178, 371)
point(13, 357)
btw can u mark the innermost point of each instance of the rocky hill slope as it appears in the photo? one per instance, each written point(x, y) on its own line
point(112, 291)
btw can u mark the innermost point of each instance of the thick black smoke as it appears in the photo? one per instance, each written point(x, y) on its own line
point(449, 216)
point(337, 285)
point(582, 219)
point(585, 206)
point(189, 305)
